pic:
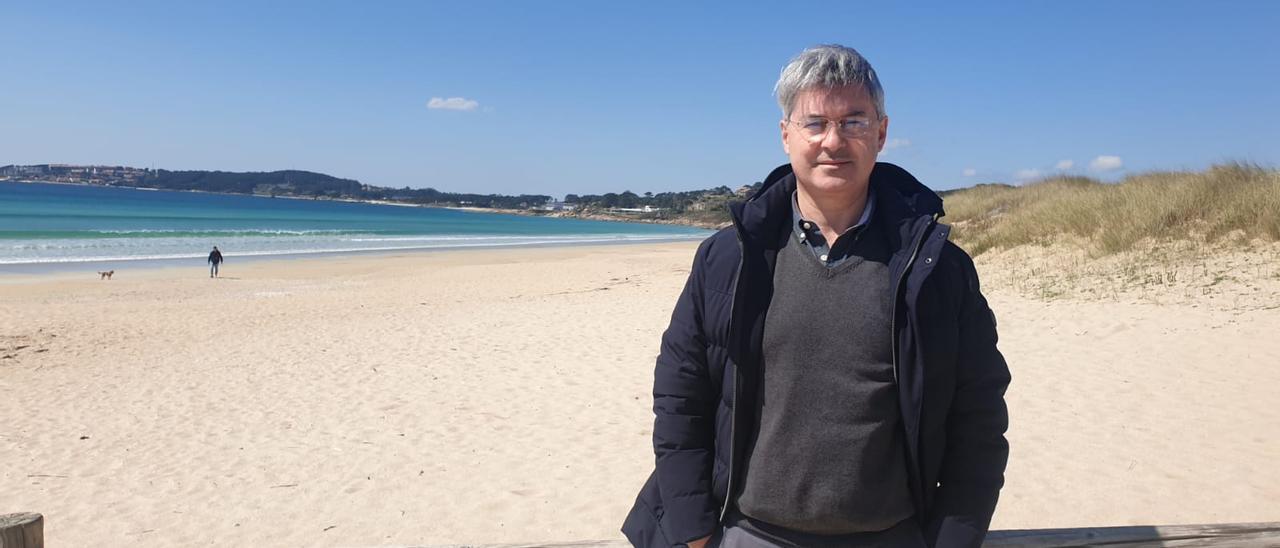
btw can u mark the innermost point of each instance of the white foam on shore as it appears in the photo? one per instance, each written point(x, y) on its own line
point(425, 243)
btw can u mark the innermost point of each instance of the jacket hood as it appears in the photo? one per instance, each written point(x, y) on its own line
point(900, 199)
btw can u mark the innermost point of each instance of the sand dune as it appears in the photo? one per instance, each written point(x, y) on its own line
point(503, 396)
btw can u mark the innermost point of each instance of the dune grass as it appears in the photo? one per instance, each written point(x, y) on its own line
point(1227, 202)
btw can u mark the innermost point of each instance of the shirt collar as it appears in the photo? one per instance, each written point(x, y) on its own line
point(804, 227)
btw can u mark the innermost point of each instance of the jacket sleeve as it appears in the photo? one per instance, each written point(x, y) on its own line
point(972, 470)
point(684, 403)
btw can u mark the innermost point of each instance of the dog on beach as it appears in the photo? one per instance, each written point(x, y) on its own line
point(105, 275)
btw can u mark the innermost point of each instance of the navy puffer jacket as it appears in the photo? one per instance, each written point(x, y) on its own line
point(951, 378)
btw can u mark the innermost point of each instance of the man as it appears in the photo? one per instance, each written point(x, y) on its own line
point(215, 259)
point(830, 375)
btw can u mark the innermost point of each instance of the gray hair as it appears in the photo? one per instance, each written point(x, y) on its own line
point(827, 66)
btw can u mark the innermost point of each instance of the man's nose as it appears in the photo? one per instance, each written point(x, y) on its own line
point(831, 137)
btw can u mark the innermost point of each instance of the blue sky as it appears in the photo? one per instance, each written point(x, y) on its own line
point(594, 97)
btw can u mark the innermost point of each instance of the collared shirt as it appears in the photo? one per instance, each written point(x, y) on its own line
point(808, 233)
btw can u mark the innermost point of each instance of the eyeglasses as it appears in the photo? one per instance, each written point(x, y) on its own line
point(815, 129)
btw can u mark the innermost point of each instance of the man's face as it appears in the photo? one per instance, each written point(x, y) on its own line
point(834, 164)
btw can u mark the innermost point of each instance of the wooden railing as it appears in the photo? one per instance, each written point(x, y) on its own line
point(26, 530)
point(1231, 534)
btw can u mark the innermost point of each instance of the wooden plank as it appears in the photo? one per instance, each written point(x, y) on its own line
point(24, 530)
point(1230, 534)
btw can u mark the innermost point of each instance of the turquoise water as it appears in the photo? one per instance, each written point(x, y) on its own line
point(69, 224)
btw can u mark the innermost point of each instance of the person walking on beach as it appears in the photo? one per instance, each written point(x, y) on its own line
point(830, 375)
point(215, 259)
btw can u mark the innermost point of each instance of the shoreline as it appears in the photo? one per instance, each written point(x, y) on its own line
point(16, 273)
point(66, 253)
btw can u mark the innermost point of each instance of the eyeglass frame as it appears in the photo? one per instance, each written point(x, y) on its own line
point(827, 123)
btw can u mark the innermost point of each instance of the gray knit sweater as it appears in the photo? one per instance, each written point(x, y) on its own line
point(828, 456)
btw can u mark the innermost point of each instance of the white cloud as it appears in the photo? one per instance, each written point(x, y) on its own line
point(1106, 163)
point(1026, 174)
point(452, 103)
point(969, 172)
point(895, 143)
point(1064, 165)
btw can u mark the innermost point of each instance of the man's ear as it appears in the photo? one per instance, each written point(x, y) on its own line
point(786, 148)
point(884, 132)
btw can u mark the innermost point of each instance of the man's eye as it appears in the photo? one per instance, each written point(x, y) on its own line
point(855, 123)
point(815, 126)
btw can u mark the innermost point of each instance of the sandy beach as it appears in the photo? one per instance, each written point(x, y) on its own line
point(504, 396)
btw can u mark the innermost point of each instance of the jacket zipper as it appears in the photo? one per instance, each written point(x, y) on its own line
point(733, 417)
point(897, 289)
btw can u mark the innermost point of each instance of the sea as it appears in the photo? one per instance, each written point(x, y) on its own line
point(47, 226)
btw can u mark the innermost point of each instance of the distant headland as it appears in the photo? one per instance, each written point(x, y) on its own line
point(703, 208)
